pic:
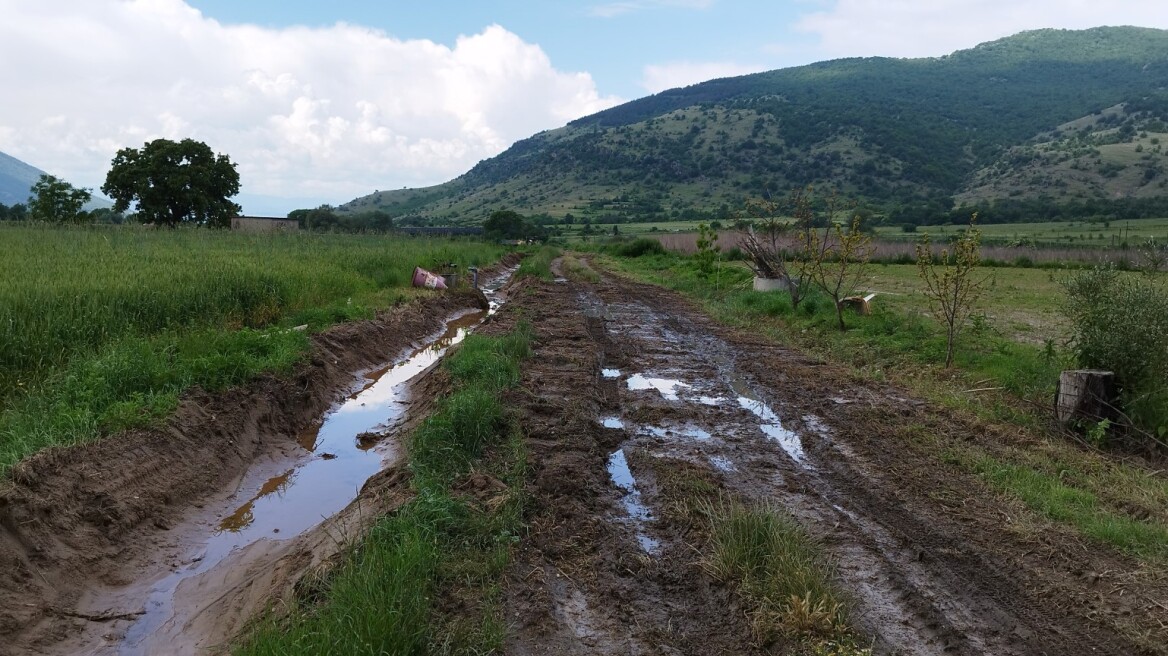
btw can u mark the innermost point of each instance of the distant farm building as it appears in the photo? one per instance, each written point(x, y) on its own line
point(264, 224)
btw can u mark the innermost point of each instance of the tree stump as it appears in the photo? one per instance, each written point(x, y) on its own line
point(1085, 394)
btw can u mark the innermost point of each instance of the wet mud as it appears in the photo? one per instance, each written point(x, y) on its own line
point(631, 384)
point(168, 541)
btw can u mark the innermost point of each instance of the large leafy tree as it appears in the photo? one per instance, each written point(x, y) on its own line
point(174, 182)
point(57, 201)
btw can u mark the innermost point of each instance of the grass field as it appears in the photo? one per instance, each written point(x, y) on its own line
point(1110, 234)
point(101, 329)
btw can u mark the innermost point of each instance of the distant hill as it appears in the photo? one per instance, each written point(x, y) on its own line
point(16, 178)
point(1053, 114)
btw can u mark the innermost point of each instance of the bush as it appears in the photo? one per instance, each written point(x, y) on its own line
point(1120, 323)
point(640, 247)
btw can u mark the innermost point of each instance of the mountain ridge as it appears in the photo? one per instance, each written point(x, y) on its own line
point(888, 132)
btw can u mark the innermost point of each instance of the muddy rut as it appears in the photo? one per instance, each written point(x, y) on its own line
point(632, 383)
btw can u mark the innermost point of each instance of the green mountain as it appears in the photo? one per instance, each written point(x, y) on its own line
point(1058, 115)
point(16, 179)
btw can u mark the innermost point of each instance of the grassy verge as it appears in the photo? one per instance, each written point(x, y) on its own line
point(425, 579)
point(538, 264)
point(997, 382)
point(102, 329)
point(777, 569)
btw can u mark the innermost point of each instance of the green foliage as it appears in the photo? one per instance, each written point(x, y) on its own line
point(173, 183)
point(837, 258)
point(1120, 323)
point(133, 383)
point(57, 201)
point(506, 224)
point(639, 247)
point(707, 248)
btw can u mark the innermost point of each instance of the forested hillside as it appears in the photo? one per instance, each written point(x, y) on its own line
point(1065, 118)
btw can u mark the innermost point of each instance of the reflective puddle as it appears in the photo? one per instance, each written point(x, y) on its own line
point(610, 373)
point(666, 386)
point(622, 476)
point(771, 425)
point(612, 422)
point(688, 432)
point(298, 499)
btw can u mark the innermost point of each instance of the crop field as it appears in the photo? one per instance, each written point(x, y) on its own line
point(86, 309)
point(1090, 234)
point(1044, 241)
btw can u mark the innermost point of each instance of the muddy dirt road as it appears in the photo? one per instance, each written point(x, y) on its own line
point(630, 385)
point(108, 548)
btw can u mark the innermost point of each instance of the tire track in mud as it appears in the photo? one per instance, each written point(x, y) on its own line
point(629, 367)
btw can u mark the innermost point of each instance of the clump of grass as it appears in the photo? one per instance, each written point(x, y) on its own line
point(538, 264)
point(639, 247)
point(574, 269)
point(778, 569)
point(387, 595)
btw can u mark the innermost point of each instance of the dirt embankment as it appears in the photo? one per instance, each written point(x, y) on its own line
point(630, 384)
point(91, 517)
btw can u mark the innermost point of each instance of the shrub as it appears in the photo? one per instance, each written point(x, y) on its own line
point(1120, 323)
point(640, 247)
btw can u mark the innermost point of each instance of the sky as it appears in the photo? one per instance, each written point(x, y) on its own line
point(321, 102)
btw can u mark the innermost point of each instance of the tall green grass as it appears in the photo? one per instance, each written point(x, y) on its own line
point(68, 291)
point(538, 264)
point(102, 328)
point(384, 598)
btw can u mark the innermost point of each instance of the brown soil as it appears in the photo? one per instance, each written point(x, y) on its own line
point(934, 560)
point(74, 521)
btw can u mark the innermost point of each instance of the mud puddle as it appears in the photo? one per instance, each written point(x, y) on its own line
point(340, 453)
point(635, 508)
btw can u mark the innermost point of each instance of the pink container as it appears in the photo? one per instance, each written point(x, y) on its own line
point(423, 278)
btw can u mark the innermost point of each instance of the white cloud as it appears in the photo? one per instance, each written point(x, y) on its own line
point(305, 112)
point(914, 28)
point(621, 7)
point(659, 77)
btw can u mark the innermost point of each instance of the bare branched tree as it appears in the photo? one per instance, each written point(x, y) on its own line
point(839, 258)
point(779, 249)
point(951, 281)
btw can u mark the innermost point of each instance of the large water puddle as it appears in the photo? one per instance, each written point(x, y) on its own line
point(341, 460)
point(622, 476)
point(666, 386)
